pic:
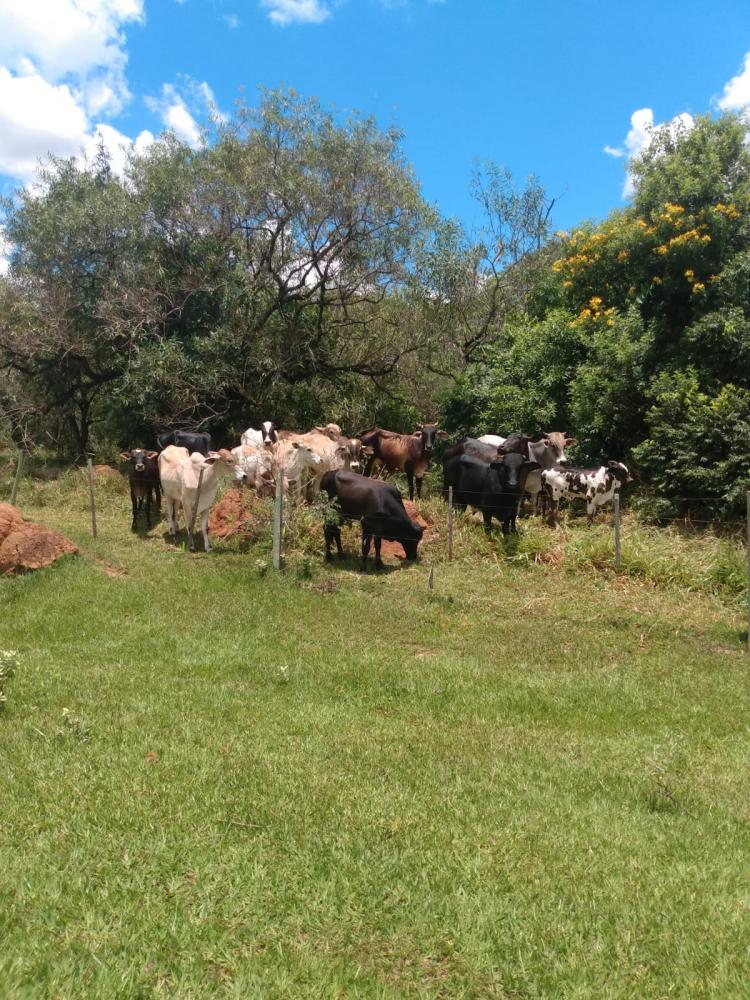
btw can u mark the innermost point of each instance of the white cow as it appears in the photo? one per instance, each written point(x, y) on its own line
point(295, 461)
point(265, 437)
point(180, 473)
point(597, 486)
point(493, 439)
point(255, 466)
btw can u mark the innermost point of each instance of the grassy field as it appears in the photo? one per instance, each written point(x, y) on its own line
point(530, 781)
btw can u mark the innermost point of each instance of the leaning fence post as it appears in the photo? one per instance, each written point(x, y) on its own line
point(748, 571)
point(278, 511)
point(450, 523)
point(19, 473)
point(617, 531)
point(92, 498)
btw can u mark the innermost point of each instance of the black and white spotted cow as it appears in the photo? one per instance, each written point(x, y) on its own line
point(596, 486)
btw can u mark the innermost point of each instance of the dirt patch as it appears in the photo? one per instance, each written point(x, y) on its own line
point(32, 546)
point(113, 571)
point(10, 517)
point(107, 472)
point(234, 516)
point(430, 533)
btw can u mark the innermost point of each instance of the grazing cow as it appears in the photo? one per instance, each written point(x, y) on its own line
point(198, 441)
point(265, 437)
point(597, 486)
point(378, 506)
point(255, 468)
point(295, 461)
point(409, 453)
point(143, 474)
point(180, 475)
point(496, 488)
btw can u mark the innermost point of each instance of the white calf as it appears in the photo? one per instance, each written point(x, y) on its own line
point(180, 475)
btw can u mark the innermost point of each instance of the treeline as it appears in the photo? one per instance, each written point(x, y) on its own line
point(290, 268)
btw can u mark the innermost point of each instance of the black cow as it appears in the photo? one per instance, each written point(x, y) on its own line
point(143, 474)
point(495, 488)
point(198, 441)
point(377, 505)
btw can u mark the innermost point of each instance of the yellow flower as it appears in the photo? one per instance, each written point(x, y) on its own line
point(656, 279)
point(690, 274)
point(567, 284)
point(623, 255)
point(698, 288)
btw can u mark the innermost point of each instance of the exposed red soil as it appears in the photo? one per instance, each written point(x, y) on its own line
point(9, 518)
point(233, 516)
point(106, 472)
point(31, 546)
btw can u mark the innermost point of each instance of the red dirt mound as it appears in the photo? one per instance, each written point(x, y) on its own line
point(32, 546)
point(233, 516)
point(106, 472)
point(430, 533)
point(10, 517)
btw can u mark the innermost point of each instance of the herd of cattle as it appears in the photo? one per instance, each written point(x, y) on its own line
point(491, 474)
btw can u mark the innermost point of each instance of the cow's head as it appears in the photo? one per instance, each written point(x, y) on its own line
point(353, 449)
point(332, 431)
point(549, 449)
point(410, 544)
point(620, 472)
point(512, 470)
point(306, 456)
point(429, 433)
point(137, 457)
point(268, 433)
point(225, 463)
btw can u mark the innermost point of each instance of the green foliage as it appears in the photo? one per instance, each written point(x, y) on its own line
point(698, 444)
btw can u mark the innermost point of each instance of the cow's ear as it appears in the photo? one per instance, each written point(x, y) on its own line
point(442, 434)
point(498, 463)
point(151, 454)
point(612, 464)
point(125, 456)
point(571, 441)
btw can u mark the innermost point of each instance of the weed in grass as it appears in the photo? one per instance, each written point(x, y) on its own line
point(8, 667)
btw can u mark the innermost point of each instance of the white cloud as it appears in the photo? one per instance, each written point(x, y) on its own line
point(231, 20)
point(641, 135)
point(181, 106)
point(284, 12)
point(736, 94)
point(79, 42)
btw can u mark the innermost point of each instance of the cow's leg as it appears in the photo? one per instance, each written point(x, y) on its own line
point(419, 487)
point(134, 503)
point(487, 521)
point(332, 534)
point(204, 528)
point(369, 465)
point(366, 539)
point(378, 560)
point(410, 480)
point(149, 497)
point(172, 516)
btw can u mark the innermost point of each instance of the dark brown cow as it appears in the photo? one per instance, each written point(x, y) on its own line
point(143, 473)
point(409, 453)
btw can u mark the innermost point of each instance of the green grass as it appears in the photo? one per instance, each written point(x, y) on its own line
point(530, 781)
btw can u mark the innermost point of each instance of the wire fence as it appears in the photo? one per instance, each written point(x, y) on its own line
point(498, 504)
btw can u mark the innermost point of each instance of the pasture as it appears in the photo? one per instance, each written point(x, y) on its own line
point(530, 781)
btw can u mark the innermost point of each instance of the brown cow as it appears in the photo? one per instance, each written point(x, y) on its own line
point(409, 453)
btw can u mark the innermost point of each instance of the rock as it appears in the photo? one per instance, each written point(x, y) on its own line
point(32, 546)
point(9, 518)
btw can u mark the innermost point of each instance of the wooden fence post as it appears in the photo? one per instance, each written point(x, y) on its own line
point(278, 514)
point(450, 524)
point(92, 498)
point(17, 478)
point(191, 529)
point(617, 531)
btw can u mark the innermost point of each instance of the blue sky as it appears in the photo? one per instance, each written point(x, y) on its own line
point(536, 86)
